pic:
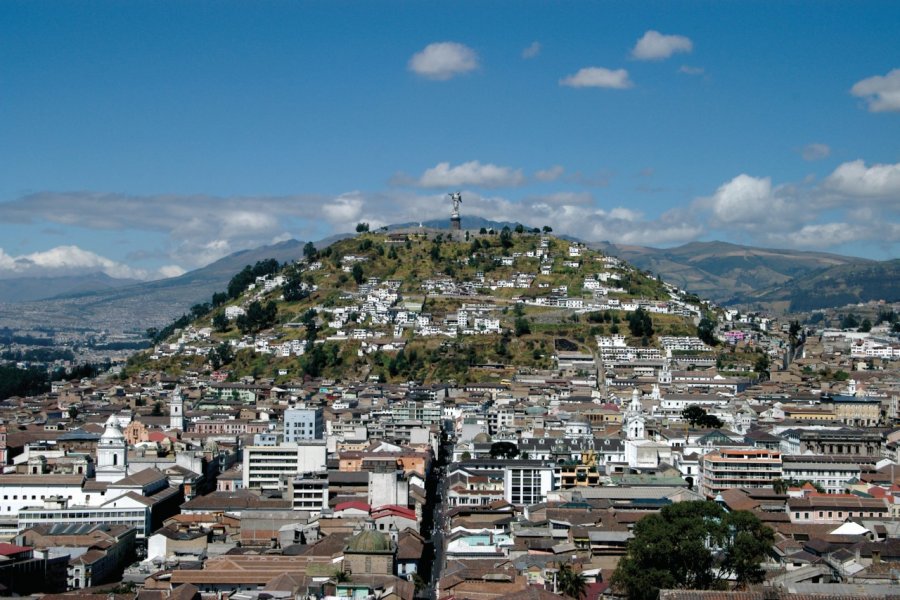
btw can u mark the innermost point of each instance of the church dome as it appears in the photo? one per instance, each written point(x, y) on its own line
point(369, 541)
point(112, 431)
point(481, 438)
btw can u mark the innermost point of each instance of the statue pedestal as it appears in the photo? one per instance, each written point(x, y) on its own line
point(455, 224)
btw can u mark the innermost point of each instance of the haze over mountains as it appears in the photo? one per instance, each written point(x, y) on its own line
point(726, 273)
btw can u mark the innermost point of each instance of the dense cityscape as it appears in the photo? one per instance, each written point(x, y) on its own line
point(449, 301)
point(232, 459)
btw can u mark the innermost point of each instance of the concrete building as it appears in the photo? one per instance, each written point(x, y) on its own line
point(271, 467)
point(303, 424)
point(738, 468)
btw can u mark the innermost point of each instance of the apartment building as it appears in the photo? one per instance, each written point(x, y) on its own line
point(738, 468)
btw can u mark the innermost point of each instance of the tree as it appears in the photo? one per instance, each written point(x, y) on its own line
point(865, 326)
point(640, 324)
point(506, 238)
point(762, 363)
point(794, 333)
point(547, 229)
point(504, 450)
point(465, 455)
point(73, 412)
point(362, 227)
point(570, 582)
point(692, 545)
point(522, 326)
point(357, 273)
point(692, 414)
point(520, 228)
point(294, 288)
point(482, 231)
point(706, 331)
point(709, 422)
point(309, 250)
point(157, 409)
point(220, 322)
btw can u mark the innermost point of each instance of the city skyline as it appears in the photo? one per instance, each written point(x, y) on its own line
point(148, 139)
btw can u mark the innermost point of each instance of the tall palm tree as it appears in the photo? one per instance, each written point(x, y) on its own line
point(570, 582)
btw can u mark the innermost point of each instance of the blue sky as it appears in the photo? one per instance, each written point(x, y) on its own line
point(149, 138)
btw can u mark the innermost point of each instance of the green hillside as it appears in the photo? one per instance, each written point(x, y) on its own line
point(835, 286)
point(466, 272)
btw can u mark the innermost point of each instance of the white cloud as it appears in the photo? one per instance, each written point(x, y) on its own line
point(598, 77)
point(443, 60)
point(551, 174)
point(471, 173)
point(815, 151)
point(656, 46)
point(881, 93)
point(689, 70)
point(856, 179)
point(344, 209)
point(532, 50)
point(744, 199)
point(72, 260)
point(167, 271)
point(825, 235)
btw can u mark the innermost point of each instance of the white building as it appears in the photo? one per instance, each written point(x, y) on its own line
point(270, 467)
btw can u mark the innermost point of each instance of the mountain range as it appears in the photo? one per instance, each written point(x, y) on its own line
point(757, 278)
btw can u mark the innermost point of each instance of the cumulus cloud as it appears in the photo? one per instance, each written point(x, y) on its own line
point(72, 260)
point(598, 77)
point(856, 179)
point(551, 174)
point(532, 50)
point(881, 93)
point(657, 46)
point(443, 60)
point(472, 173)
point(744, 199)
point(812, 152)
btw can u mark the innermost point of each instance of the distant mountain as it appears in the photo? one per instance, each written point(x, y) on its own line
point(727, 272)
point(834, 286)
point(29, 289)
point(139, 306)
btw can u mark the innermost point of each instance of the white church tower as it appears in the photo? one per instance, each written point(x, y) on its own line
point(176, 410)
point(112, 453)
point(634, 418)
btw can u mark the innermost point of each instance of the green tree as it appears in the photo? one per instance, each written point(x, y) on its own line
point(220, 322)
point(520, 228)
point(865, 326)
point(309, 251)
point(504, 450)
point(692, 545)
point(547, 229)
point(570, 582)
point(522, 327)
point(362, 227)
point(709, 422)
point(357, 273)
point(73, 412)
point(706, 331)
point(157, 409)
point(692, 414)
point(762, 363)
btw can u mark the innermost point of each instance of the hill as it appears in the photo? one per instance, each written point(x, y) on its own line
point(834, 286)
point(725, 272)
point(422, 305)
